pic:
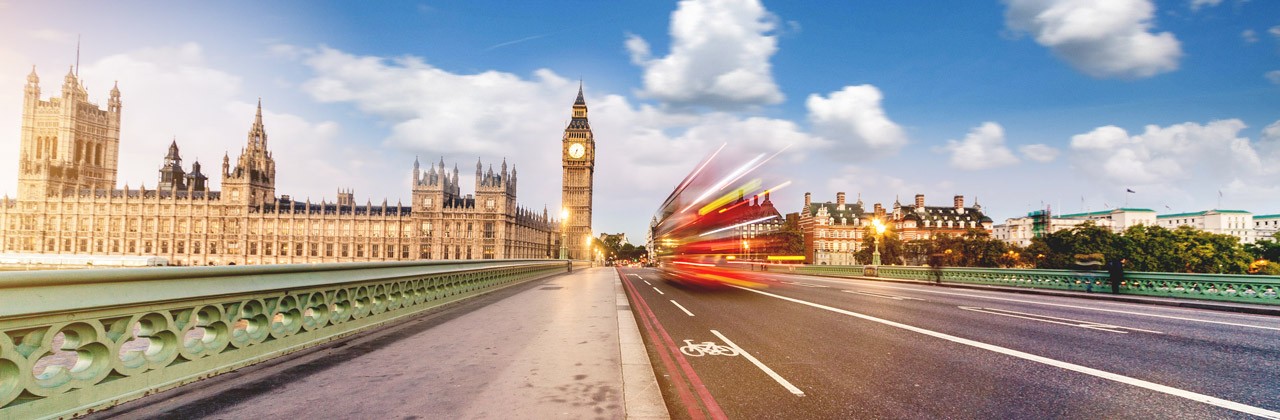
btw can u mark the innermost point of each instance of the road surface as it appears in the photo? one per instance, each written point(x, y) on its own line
point(814, 347)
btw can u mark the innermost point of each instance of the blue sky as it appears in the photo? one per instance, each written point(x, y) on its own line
point(1017, 102)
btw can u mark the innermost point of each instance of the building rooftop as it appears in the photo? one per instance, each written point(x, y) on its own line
point(1104, 212)
point(1201, 213)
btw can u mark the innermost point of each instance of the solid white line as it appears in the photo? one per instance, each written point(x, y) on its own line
point(1230, 405)
point(804, 284)
point(1069, 324)
point(766, 369)
point(659, 291)
point(881, 296)
point(1069, 306)
point(678, 305)
point(871, 294)
point(1086, 324)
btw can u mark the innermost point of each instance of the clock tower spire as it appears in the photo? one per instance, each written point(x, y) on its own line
point(578, 159)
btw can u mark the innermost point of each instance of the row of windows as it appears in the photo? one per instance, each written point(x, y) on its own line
point(148, 247)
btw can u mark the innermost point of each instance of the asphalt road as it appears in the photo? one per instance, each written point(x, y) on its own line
point(814, 347)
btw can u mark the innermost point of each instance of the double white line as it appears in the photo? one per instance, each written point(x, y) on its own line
point(1194, 396)
point(1057, 320)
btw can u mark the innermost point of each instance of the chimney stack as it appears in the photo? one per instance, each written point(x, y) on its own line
point(959, 202)
point(840, 198)
point(807, 198)
point(919, 200)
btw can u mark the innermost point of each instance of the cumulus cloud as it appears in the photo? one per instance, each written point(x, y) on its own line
point(719, 56)
point(1269, 143)
point(435, 111)
point(1197, 4)
point(210, 118)
point(982, 148)
point(853, 120)
point(1184, 163)
point(1102, 38)
point(1168, 156)
point(874, 185)
point(1039, 152)
point(643, 150)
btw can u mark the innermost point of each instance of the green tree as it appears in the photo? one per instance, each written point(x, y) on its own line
point(892, 249)
point(1152, 248)
point(1265, 249)
point(1204, 252)
point(788, 240)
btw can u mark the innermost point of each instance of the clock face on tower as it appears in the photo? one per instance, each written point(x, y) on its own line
point(576, 150)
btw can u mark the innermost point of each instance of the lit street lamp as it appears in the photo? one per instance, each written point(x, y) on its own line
point(879, 226)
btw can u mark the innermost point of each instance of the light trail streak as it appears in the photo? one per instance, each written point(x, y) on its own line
point(737, 225)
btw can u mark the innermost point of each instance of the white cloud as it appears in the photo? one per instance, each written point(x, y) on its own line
point(211, 117)
point(1169, 157)
point(1039, 152)
point(719, 56)
point(1273, 76)
point(1249, 36)
point(52, 35)
point(874, 186)
point(853, 120)
point(434, 111)
point(1274, 31)
point(11, 115)
point(643, 150)
point(1102, 38)
point(982, 148)
point(1197, 4)
point(1269, 143)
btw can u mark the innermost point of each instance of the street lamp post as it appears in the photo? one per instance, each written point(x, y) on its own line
point(564, 234)
point(879, 226)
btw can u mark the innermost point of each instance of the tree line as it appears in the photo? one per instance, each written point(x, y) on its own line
point(1142, 248)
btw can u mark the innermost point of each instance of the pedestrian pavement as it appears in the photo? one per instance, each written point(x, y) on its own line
point(561, 347)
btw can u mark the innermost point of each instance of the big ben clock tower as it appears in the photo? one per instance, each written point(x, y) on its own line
point(578, 158)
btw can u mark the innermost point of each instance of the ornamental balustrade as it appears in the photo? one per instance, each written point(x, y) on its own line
point(72, 342)
point(1220, 287)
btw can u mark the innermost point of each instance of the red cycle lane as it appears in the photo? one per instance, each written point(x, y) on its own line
point(689, 387)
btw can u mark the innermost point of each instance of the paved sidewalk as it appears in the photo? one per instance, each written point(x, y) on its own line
point(549, 348)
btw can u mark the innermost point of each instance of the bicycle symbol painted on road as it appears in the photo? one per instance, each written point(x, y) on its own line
point(707, 347)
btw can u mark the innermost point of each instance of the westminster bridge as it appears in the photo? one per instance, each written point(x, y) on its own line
point(539, 338)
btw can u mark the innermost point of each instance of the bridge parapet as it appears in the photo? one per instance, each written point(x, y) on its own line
point(72, 342)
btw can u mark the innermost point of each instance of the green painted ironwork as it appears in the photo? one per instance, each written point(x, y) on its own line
point(72, 342)
point(1219, 287)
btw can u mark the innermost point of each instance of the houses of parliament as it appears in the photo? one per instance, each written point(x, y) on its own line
point(68, 202)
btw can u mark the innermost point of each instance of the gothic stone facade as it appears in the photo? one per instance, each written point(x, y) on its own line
point(68, 204)
point(578, 161)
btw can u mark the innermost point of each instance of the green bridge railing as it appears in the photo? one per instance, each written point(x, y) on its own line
point(72, 342)
point(1219, 287)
